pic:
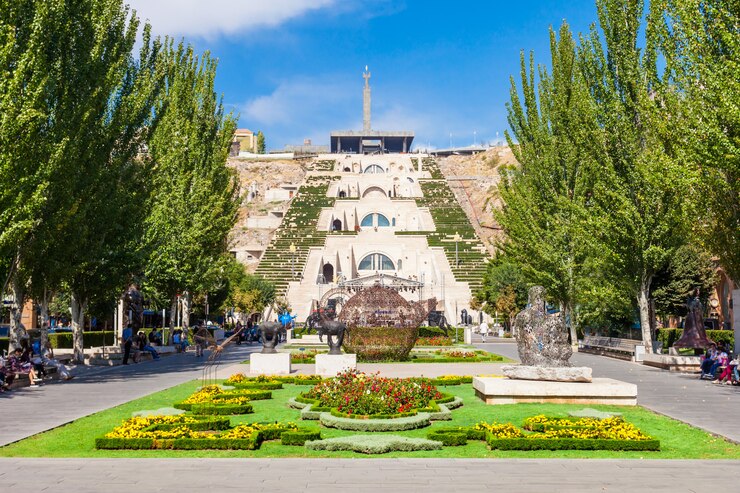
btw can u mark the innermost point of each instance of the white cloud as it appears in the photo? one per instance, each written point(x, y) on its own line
point(303, 107)
point(213, 18)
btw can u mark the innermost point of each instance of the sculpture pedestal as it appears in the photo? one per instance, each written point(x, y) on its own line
point(549, 373)
point(329, 365)
point(673, 362)
point(598, 391)
point(269, 364)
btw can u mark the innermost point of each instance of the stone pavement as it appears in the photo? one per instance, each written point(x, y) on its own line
point(679, 395)
point(28, 412)
point(365, 475)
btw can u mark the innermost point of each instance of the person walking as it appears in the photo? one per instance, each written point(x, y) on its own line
point(201, 338)
point(127, 338)
point(483, 330)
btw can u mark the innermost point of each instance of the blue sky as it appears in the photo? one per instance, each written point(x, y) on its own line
point(293, 68)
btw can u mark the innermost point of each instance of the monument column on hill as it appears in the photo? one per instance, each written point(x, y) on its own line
point(366, 101)
point(367, 140)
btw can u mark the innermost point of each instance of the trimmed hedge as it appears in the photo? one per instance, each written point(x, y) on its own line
point(299, 437)
point(470, 433)
point(380, 343)
point(669, 336)
point(258, 385)
point(421, 420)
point(442, 382)
point(449, 438)
point(339, 414)
point(374, 444)
point(179, 443)
point(220, 409)
point(570, 444)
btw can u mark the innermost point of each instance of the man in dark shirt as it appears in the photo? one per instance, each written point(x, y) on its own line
point(127, 337)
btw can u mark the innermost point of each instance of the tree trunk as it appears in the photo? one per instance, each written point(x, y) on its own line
point(185, 309)
point(78, 323)
point(571, 324)
point(17, 331)
point(173, 313)
point(44, 304)
point(643, 302)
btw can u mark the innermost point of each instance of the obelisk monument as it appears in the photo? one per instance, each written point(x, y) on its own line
point(366, 101)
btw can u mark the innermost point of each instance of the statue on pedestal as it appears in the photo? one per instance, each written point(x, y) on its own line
point(542, 339)
point(694, 335)
point(270, 336)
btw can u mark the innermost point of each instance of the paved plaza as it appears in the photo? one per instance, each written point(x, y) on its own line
point(27, 412)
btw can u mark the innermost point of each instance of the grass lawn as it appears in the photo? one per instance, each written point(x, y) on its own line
point(678, 440)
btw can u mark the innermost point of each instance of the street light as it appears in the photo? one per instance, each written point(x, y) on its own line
point(457, 238)
point(292, 249)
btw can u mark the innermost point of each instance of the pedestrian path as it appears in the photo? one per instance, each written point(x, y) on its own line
point(365, 475)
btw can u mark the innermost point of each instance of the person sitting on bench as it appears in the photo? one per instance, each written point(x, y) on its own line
point(18, 367)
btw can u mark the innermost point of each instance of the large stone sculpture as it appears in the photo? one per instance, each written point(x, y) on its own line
point(542, 341)
point(694, 335)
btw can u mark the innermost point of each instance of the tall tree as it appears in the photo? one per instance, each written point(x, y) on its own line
point(546, 197)
point(700, 42)
point(641, 186)
point(195, 199)
point(103, 180)
point(73, 104)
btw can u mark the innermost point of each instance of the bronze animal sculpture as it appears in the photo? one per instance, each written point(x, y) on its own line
point(332, 328)
point(270, 336)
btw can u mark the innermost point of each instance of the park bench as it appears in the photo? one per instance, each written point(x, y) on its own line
point(614, 347)
point(23, 380)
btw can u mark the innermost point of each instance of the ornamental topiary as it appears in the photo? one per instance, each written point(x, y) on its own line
point(380, 343)
point(420, 420)
point(374, 444)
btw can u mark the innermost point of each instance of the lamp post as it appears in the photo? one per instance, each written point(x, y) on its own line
point(457, 239)
point(292, 249)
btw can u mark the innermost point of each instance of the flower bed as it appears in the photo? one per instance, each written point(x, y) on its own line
point(446, 380)
point(306, 357)
point(190, 433)
point(455, 356)
point(353, 392)
point(434, 341)
point(380, 343)
point(212, 399)
point(546, 433)
point(240, 378)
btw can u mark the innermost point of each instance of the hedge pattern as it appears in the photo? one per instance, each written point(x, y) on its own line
point(420, 420)
point(374, 444)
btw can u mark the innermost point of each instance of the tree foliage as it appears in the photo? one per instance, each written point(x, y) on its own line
point(194, 199)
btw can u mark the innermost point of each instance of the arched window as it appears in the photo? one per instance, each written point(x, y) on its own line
point(376, 261)
point(374, 192)
point(375, 219)
point(374, 169)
